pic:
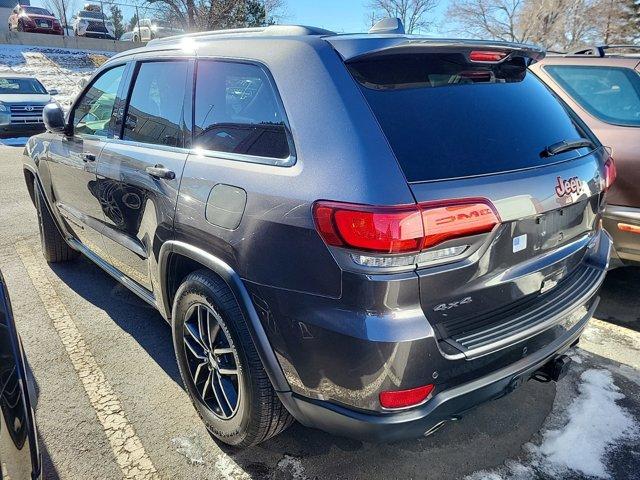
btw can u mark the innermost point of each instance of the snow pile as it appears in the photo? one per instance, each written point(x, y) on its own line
point(595, 425)
point(596, 422)
point(56, 68)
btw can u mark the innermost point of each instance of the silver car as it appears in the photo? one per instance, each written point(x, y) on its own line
point(22, 99)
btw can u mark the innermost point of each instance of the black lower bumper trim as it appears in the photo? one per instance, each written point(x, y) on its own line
point(447, 405)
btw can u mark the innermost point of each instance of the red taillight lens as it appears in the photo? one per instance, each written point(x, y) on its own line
point(405, 398)
point(401, 229)
point(486, 56)
point(381, 229)
point(447, 222)
point(610, 173)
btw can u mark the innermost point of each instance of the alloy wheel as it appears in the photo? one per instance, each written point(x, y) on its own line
point(213, 361)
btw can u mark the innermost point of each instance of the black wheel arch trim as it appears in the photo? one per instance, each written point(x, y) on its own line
point(237, 287)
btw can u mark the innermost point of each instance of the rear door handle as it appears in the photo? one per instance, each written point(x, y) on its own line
point(161, 172)
point(88, 157)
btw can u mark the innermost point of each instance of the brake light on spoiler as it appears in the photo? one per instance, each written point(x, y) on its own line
point(400, 230)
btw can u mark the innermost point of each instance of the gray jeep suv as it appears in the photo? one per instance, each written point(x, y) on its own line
point(370, 234)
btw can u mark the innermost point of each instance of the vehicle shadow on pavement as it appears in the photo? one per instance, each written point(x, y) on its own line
point(129, 312)
point(619, 298)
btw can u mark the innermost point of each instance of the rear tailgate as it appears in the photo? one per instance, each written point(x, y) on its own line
point(468, 122)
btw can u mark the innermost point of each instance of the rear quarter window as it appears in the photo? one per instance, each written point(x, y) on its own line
point(237, 111)
point(447, 118)
point(611, 94)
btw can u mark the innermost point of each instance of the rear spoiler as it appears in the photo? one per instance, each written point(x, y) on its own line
point(356, 47)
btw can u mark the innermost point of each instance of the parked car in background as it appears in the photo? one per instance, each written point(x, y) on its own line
point(19, 451)
point(93, 23)
point(147, 30)
point(22, 99)
point(371, 234)
point(602, 85)
point(25, 18)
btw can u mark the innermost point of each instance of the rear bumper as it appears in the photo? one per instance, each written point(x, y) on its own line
point(445, 406)
point(626, 244)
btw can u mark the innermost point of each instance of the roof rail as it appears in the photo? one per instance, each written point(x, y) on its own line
point(274, 30)
point(600, 50)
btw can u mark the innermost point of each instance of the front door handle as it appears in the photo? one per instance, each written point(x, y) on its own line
point(88, 157)
point(161, 172)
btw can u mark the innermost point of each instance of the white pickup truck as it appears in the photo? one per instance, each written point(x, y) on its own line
point(146, 30)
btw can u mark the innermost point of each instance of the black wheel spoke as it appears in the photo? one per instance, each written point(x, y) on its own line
point(203, 328)
point(199, 369)
point(223, 403)
point(207, 383)
point(194, 350)
point(194, 334)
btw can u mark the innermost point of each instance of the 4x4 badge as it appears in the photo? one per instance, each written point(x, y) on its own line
point(567, 187)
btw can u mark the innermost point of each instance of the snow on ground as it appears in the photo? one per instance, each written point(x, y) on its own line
point(56, 68)
point(579, 438)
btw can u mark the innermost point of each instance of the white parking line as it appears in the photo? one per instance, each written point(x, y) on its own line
point(127, 447)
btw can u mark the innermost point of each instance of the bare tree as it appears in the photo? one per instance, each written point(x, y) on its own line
point(62, 9)
point(219, 14)
point(554, 24)
point(413, 13)
point(496, 19)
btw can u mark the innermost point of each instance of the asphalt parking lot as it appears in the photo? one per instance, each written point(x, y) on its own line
point(74, 319)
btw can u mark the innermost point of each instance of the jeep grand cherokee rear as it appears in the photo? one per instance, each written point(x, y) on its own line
point(487, 278)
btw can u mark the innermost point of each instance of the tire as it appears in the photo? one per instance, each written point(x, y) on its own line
point(54, 248)
point(136, 39)
point(251, 414)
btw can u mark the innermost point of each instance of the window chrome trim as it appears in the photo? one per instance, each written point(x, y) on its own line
point(241, 157)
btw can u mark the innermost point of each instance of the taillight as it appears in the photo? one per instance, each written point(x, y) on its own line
point(486, 56)
point(402, 229)
point(446, 222)
point(371, 229)
point(610, 173)
point(405, 398)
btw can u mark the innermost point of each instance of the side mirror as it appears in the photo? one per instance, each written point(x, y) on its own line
point(53, 117)
point(53, 91)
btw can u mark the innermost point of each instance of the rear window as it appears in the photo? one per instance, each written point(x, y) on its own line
point(20, 85)
point(446, 118)
point(611, 94)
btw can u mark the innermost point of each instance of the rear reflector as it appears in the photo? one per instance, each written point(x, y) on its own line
point(626, 227)
point(610, 173)
point(486, 56)
point(405, 398)
point(402, 229)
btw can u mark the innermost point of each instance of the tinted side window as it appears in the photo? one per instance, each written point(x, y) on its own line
point(611, 94)
point(154, 114)
point(93, 113)
point(236, 111)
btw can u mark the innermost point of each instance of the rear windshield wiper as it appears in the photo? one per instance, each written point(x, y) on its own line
point(565, 146)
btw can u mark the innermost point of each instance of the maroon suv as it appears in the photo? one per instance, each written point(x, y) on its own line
point(602, 85)
point(25, 18)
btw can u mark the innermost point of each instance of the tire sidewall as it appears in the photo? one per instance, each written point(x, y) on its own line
point(232, 430)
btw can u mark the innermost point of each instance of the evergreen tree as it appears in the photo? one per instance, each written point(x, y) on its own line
point(116, 17)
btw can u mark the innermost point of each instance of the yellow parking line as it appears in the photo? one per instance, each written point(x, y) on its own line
point(126, 445)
